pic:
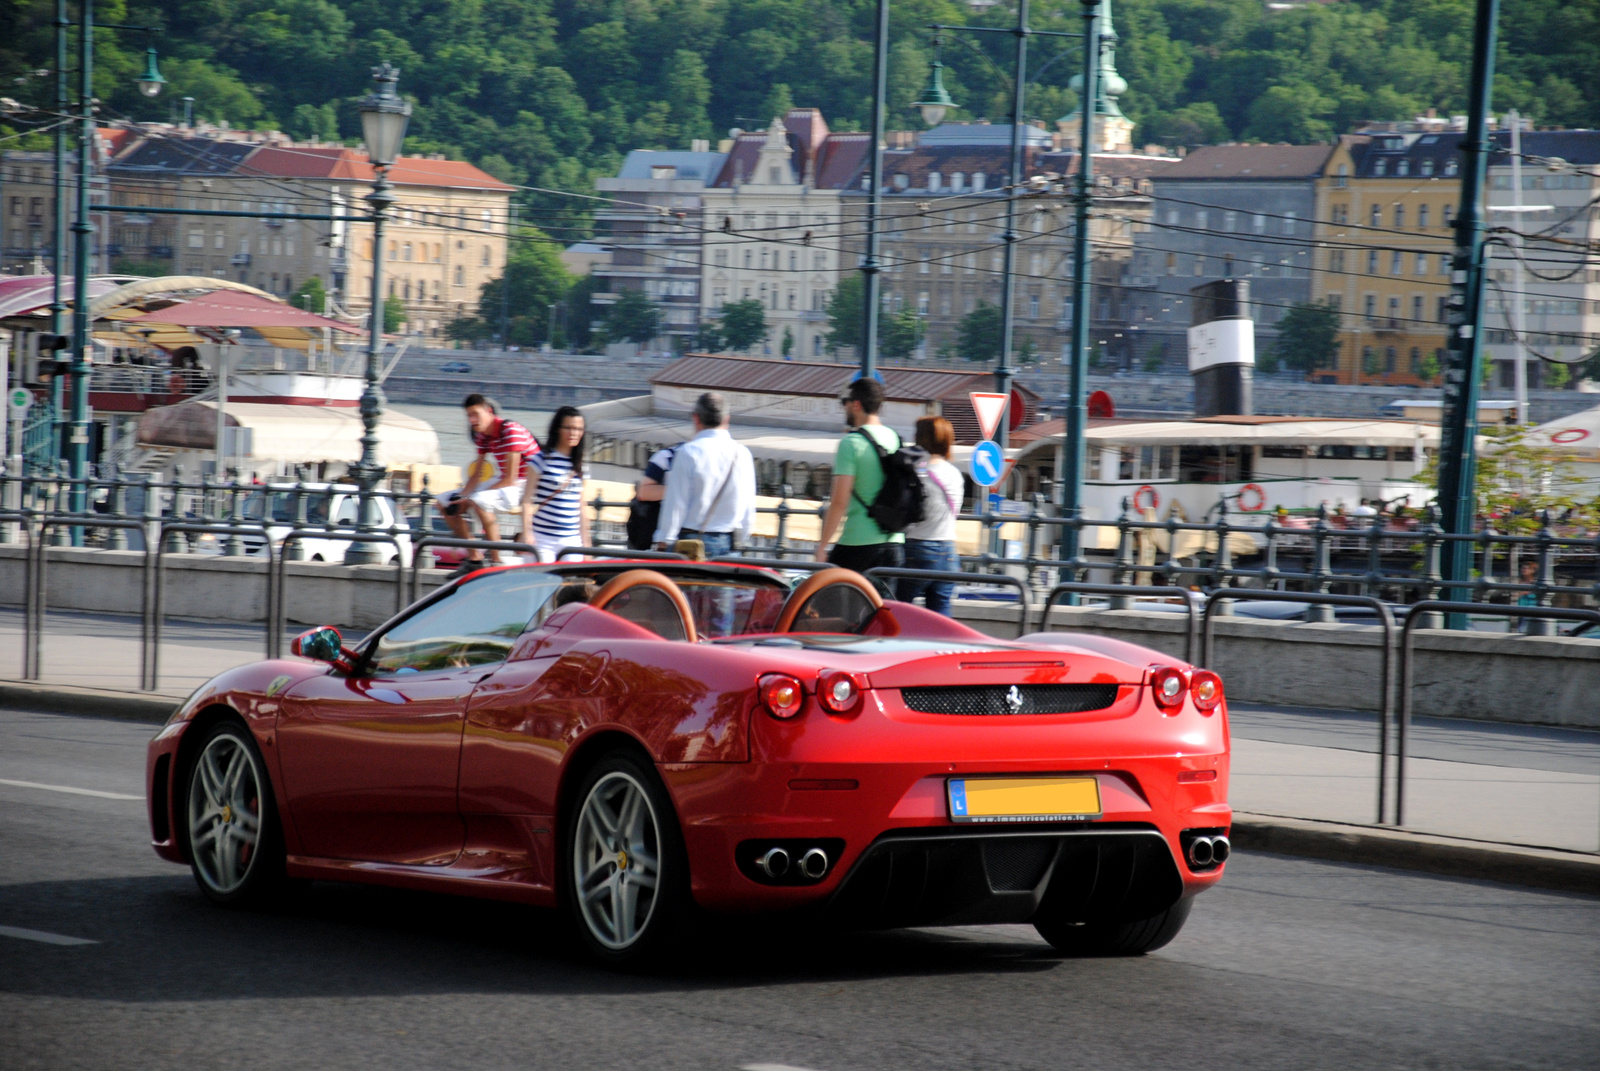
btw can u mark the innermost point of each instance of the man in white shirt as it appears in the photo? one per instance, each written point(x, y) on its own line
point(711, 486)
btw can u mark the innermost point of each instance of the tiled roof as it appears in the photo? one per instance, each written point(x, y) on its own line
point(333, 162)
point(688, 165)
point(1573, 146)
point(181, 156)
point(1251, 162)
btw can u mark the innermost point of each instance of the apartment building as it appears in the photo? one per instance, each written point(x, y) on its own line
point(652, 226)
point(1386, 208)
point(773, 218)
point(1224, 212)
point(28, 208)
point(944, 222)
point(446, 235)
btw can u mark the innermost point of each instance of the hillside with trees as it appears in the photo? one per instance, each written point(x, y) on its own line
point(551, 93)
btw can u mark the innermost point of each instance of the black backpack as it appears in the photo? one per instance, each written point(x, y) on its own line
point(898, 504)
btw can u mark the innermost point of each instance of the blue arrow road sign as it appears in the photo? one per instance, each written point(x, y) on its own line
point(987, 463)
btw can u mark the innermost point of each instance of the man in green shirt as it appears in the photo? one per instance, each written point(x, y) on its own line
point(857, 478)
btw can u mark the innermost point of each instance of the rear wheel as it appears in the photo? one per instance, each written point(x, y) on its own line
point(625, 871)
point(1115, 938)
point(235, 845)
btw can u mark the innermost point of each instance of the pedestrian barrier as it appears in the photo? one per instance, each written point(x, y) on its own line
point(276, 601)
point(1422, 611)
point(419, 545)
point(1215, 601)
point(35, 596)
point(621, 552)
point(1192, 603)
point(888, 572)
point(156, 550)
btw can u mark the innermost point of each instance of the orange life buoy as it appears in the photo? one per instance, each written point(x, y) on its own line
point(1254, 504)
point(1138, 498)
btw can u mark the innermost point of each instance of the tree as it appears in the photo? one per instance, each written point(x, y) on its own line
point(787, 347)
point(1308, 338)
point(635, 318)
point(845, 313)
point(980, 336)
point(394, 314)
point(1518, 480)
point(310, 296)
point(744, 323)
point(901, 333)
point(709, 338)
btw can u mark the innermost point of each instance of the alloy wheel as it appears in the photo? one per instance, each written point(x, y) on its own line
point(616, 860)
point(225, 792)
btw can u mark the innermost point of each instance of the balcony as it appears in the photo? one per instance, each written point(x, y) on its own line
point(240, 260)
point(1387, 325)
point(1140, 282)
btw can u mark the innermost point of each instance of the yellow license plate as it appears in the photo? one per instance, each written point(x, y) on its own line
point(1023, 799)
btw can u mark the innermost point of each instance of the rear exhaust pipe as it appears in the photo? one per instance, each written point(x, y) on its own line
point(1220, 850)
point(814, 863)
point(1201, 852)
point(774, 862)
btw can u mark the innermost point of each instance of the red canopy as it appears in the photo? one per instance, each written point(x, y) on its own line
point(235, 308)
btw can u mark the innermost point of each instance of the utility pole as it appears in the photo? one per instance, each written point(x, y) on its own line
point(1008, 299)
point(505, 285)
point(1072, 467)
point(83, 233)
point(1464, 358)
point(872, 306)
point(58, 246)
point(1519, 352)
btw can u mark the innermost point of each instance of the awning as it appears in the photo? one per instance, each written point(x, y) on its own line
point(235, 309)
point(299, 434)
point(1276, 433)
point(1577, 434)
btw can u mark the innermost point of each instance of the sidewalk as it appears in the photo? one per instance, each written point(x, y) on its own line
point(1486, 782)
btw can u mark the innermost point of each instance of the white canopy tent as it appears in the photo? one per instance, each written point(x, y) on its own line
point(295, 434)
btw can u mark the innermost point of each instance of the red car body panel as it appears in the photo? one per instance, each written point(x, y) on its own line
point(453, 780)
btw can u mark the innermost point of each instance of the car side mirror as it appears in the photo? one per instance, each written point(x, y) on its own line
point(321, 644)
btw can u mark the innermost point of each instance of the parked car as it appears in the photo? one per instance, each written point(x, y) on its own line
point(275, 505)
point(456, 367)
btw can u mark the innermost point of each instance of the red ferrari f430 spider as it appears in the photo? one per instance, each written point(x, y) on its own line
point(642, 746)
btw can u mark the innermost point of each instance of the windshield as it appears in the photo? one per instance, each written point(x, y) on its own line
point(279, 507)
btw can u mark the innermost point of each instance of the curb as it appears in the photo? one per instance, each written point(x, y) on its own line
point(1536, 868)
point(90, 702)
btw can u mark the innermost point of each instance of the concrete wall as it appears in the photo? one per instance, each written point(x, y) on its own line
point(1532, 680)
point(1484, 676)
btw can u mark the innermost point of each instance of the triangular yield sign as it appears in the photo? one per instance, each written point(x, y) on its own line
point(989, 408)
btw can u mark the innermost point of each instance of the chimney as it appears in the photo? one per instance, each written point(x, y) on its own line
point(1222, 349)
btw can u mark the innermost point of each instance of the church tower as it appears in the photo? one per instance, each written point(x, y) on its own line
point(1113, 131)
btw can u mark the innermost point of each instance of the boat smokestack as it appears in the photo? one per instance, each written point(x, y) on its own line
point(1222, 349)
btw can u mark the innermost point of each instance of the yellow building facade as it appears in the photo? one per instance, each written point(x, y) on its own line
point(1386, 206)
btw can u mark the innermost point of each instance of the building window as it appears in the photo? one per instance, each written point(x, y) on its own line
point(1202, 219)
point(1372, 262)
point(1340, 214)
point(1199, 265)
point(1336, 260)
point(958, 181)
point(1290, 221)
point(1449, 215)
point(1422, 264)
point(1394, 311)
point(1342, 178)
point(794, 261)
point(461, 276)
point(197, 239)
point(1258, 223)
point(979, 181)
point(1380, 167)
point(1033, 306)
point(1443, 310)
point(1370, 306)
point(1416, 308)
point(922, 303)
point(720, 258)
point(405, 251)
point(1444, 263)
point(485, 258)
point(816, 342)
point(933, 180)
point(922, 265)
point(1375, 217)
point(1369, 360)
point(1172, 263)
point(1450, 168)
point(1395, 262)
point(1427, 167)
point(1422, 212)
point(1402, 167)
point(1230, 221)
point(1172, 217)
point(747, 258)
point(945, 266)
point(1399, 217)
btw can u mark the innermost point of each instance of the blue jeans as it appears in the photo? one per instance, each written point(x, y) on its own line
point(929, 554)
point(716, 543)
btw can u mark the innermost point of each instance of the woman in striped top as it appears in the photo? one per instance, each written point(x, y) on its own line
point(552, 501)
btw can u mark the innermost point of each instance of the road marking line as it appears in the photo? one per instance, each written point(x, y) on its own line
point(69, 789)
point(42, 937)
point(771, 1067)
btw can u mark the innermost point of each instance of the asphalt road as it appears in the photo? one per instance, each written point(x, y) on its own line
point(1289, 964)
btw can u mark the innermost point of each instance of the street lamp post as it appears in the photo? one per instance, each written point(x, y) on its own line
point(383, 126)
point(1077, 417)
point(871, 265)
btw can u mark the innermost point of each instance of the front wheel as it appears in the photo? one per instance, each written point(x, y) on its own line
point(1116, 938)
point(626, 874)
point(235, 845)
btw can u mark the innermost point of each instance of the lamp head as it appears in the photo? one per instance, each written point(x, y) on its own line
point(935, 98)
point(384, 116)
point(150, 82)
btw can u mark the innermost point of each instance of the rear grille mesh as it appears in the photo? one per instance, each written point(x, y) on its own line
point(1010, 698)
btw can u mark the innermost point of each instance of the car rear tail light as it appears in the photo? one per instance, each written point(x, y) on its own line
point(838, 691)
point(1206, 691)
point(1167, 686)
point(1196, 777)
point(781, 695)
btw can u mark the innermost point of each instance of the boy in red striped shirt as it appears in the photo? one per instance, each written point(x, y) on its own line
point(491, 488)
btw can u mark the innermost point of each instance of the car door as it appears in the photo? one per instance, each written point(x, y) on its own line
point(371, 758)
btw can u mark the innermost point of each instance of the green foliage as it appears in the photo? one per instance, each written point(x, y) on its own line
point(310, 296)
point(744, 323)
point(138, 266)
point(1517, 480)
point(1308, 339)
point(634, 318)
point(900, 333)
point(1429, 371)
point(537, 280)
point(709, 338)
point(787, 348)
point(1556, 376)
point(845, 313)
point(980, 334)
point(394, 314)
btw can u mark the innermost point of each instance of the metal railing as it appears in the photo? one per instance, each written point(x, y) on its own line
point(156, 550)
point(888, 572)
point(1193, 603)
point(1426, 610)
point(277, 599)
